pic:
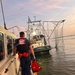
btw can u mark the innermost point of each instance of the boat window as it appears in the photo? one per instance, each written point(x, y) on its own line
point(43, 39)
point(9, 44)
point(2, 52)
point(34, 39)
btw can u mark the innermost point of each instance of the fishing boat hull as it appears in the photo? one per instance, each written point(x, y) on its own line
point(42, 49)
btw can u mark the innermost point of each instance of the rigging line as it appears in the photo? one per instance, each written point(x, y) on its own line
point(45, 33)
point(68, 36)
point(12, 27)
point(58, 40)
point(44, 30)
point(67, 39)
point(64, 36)
point(53, 29)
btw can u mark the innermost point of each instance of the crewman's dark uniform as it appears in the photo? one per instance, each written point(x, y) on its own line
point(23, 50)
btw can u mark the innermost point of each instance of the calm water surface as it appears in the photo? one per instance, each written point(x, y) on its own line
point(61, 62)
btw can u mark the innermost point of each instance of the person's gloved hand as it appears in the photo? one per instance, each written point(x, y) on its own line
point(33, 57)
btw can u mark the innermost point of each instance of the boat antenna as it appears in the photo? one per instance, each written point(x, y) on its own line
point(3, 14)
point(34, 18)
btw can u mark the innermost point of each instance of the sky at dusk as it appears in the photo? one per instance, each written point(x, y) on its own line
point(16, 12)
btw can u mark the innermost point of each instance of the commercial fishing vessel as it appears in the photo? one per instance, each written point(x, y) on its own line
point(37, 37)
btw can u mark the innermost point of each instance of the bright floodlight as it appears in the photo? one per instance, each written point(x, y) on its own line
point(34, 33)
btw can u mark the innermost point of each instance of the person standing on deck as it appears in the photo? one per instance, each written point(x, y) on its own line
point(24, 49)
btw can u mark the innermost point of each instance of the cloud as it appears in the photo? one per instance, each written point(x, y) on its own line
point(40, 6)
point(17, 10)
point(35, 6)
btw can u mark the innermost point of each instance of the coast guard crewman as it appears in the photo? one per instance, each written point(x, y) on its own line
point(24, 49)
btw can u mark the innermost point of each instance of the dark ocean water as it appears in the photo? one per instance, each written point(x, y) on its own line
point(57, 62)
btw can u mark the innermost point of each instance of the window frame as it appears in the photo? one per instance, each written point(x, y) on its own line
point(8, 37)
point(2, 51)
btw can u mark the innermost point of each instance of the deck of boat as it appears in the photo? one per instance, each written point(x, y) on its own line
point(31, 73)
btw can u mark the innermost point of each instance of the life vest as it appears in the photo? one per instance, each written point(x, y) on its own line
point(35, 66)
point(25, 54)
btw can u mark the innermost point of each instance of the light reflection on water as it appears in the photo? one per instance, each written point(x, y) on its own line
point(62, 62)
